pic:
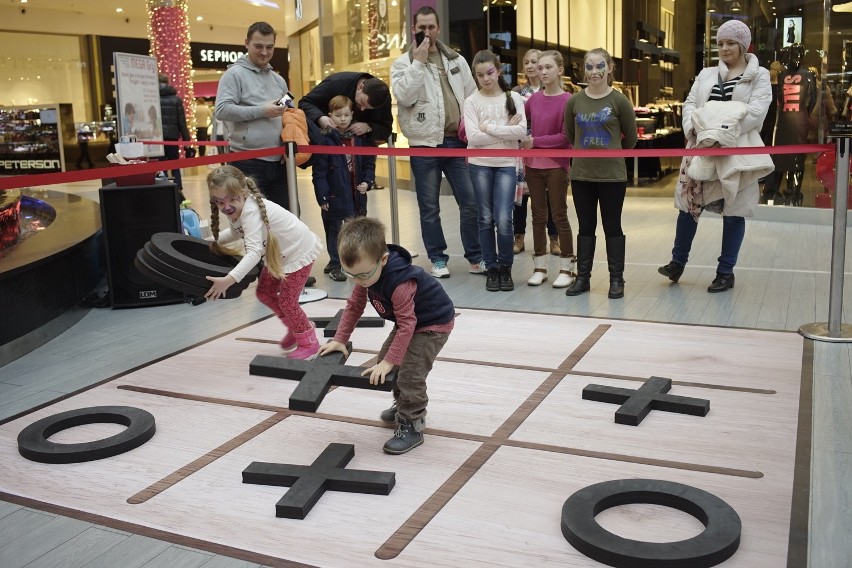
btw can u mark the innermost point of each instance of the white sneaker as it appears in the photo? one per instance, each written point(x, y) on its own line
point(440, 270)
point(478, 267)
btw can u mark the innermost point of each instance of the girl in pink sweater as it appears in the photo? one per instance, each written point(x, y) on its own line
point(547, 178)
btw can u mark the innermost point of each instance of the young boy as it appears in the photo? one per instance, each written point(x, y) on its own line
point(341, 181)
point(422, 312)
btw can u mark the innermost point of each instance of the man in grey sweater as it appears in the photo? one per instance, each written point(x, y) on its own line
point(246, 101)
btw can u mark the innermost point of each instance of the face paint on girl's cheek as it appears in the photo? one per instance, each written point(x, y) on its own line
point(595, 70)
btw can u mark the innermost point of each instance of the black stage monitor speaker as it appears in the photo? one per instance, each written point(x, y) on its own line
point(129, 216)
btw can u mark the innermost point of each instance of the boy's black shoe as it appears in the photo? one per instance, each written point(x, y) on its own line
point(336, 274)
point(328, 268)
point(389, 414)
point(405, 438)
point(506, 282)
point(492, 279)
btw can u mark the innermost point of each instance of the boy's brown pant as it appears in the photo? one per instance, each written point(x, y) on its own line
point(409, 390)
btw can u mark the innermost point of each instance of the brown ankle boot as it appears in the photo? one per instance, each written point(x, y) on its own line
point(555, 249)
point(518, 247)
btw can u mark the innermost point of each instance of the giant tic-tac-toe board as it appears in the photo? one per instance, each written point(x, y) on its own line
point(509, 439)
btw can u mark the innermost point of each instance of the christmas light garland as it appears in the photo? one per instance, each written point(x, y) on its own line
point(168, 32)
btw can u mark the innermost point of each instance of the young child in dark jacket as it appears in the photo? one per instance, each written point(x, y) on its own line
point(423, 316)
point(341, 181)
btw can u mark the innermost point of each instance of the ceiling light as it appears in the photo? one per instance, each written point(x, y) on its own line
point(199, 18)
point(735, 7)
point(119, 10)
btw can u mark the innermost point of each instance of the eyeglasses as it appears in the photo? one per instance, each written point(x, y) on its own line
point(364, 275)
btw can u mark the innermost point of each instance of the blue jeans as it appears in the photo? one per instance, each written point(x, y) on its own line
point(495, 199)
point(733, 233)
point(427, 185)
point(270, 177)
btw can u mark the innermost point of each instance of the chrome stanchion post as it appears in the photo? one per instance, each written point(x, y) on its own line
point(394, 197)
point(834, 329)
point(292, 184)
point(394, 201)
point(310, 294)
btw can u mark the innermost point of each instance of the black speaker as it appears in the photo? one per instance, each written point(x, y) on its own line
point(129, 216)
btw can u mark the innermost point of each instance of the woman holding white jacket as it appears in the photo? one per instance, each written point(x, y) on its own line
point(738, 77)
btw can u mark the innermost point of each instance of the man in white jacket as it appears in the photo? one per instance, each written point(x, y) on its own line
point(431, 82)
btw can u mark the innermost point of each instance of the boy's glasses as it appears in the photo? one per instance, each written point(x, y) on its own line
point(364, 275)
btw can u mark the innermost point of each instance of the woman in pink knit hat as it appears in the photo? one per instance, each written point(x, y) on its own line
point(738, 78)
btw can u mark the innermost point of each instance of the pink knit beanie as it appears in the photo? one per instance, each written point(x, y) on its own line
point(734, 30)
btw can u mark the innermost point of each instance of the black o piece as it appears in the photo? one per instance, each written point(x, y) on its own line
point(169, 275)
point(192, 254)
point(637, 403)
point(308, 483)
point(34, 445)
point(316, 377)
point(718, 542)
point(141, 264)
point(162, 265)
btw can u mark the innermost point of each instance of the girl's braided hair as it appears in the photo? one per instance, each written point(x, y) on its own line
point(237, 184)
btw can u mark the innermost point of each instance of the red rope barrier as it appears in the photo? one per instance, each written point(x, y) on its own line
point(14, 182)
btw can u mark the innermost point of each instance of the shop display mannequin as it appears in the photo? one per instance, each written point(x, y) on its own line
point(797, 90)
point(775, 69)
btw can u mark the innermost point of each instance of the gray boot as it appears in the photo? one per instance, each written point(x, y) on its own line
point(389, 414)
point(405, 438)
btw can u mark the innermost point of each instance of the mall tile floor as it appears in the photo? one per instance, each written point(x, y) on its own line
point(782, 283)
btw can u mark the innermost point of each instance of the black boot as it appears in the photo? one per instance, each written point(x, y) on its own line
point(492, 279)
point(585, 259)
point(506, 282)
point(405, 438)
point(615, 260)
point(721, 283)
point(672, 270)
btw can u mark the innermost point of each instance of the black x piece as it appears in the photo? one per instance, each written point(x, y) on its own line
point(307, 483)
point(330, 324)
point(315, 377)
point(636, 404)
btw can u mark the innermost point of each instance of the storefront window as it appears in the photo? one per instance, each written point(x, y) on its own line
point(802, 43)
point(38, 69)
point(364, 35)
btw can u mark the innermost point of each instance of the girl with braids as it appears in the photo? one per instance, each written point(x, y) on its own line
point(269, 232)
point(494, 118)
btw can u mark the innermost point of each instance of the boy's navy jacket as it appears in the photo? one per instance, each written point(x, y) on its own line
point(432, 305)
point(332, 184)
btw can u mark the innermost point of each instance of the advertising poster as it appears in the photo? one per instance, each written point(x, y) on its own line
point(137, 93)
point(791, 30)
point(356, 32)
point(377, 15)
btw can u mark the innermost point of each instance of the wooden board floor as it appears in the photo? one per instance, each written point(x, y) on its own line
point(509, 439)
